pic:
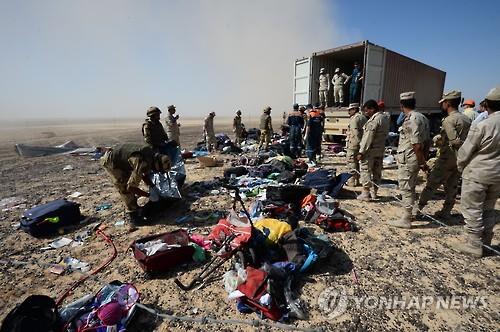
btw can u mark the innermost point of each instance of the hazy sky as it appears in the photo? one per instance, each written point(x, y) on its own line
point(115, 58)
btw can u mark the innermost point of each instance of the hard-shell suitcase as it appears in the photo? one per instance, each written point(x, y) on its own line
point(47, 218)
point(162, 261)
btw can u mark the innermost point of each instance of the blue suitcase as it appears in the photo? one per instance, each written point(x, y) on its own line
point(48, 218)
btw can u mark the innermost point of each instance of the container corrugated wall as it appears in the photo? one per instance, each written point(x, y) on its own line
point(405, 74)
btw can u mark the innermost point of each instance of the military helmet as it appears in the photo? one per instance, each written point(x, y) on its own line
point(267, 109)
point(171, 108)
point(152, 110)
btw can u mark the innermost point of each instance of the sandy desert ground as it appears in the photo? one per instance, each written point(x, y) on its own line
point(376, 261)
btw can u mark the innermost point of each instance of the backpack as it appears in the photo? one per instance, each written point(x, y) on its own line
point(47, 218)
point(35, 313)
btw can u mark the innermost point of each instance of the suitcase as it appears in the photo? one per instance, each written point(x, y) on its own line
point(48, 218)
point(163, 261)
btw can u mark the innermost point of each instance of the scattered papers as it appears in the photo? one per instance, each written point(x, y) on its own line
point(76, 194)
point(59, 243)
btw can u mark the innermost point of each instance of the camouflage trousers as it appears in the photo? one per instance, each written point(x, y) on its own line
point(237, 136)
point(371, 171)
point(120, 179)
point(338, 93)
point(265, 138)
point(407, 181)
point(323, 97)
point(478, 206)
point(352, 162)
point(174, 135)
point(444, 172)
point(210, 140)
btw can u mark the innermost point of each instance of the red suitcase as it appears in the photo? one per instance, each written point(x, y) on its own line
point(164, 260)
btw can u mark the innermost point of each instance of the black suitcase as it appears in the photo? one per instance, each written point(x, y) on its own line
point(48, 218)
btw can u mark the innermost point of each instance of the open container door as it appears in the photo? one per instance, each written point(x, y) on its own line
point(302, 81)
point(374, 72)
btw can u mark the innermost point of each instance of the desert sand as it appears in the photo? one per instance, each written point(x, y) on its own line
point(376, 261)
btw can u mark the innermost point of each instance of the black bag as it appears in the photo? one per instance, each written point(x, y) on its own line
point(36, 313)
point(289, 193)
point(48, 218)
point(237, 171)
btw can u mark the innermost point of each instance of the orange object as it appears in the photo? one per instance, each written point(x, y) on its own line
point(309, 199)
point(470, 102)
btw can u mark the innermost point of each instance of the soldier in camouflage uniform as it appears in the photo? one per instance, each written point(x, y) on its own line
point(209, 133)
point(153, 131)
point(172, 125)
point(324, 87)
point(414, 140)
point(354, 135)
point(372, 148)
point(237, 128)
point(339, 80)
point(479, 161)
point(266, 128)
point(128, 165)
point(454, 130)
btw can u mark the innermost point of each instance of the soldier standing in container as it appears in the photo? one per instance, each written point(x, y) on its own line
point(324, 87)
point(209, 133)
point(372, 148)
point(339, 79)
point(414, 139)
point(354, 134)
point(479, 161)
point(266, 128)
point(355, 78)
point(296, 123)
point(172, 125)
point(153, 131)
point(237, 128)
point(454, 130)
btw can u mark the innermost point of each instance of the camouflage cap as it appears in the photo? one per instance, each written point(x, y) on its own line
point(450, 96)
point(407, 95)
point(494, 94)
point(152, 110)
point(353, 105)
